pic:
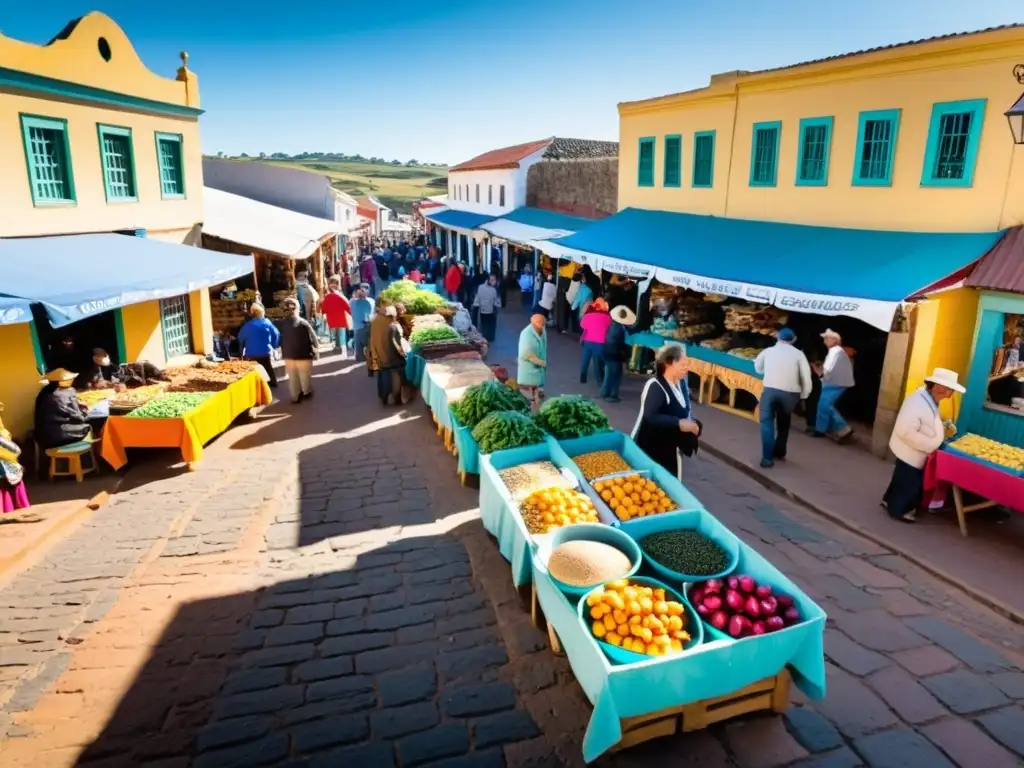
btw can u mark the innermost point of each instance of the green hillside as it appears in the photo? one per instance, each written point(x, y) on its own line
point(397, 186)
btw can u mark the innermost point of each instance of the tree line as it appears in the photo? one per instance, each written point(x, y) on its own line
point(337, 157)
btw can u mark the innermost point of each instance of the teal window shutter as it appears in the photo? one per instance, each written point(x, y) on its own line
point(118, 163)
point(764, 154)
point(48, 157)
point(170, 160)
point(954, 136)
point(645, 162)
point(175, 326)
point(877, 132)
point(704, 159)
point(673, 161)
point(814, 150)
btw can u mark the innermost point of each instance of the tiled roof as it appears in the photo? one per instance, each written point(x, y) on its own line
point(861, 52)
point(1002, 268)
point(506, 157)
point(580, 149)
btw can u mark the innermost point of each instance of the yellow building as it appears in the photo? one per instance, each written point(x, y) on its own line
point(91, 141)
point(907, 138)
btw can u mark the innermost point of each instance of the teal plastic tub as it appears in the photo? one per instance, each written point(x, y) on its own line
point(605, 534)
point(688, 520)
point(621, 656)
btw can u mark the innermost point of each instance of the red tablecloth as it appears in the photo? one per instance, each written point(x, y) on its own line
point(987, 482)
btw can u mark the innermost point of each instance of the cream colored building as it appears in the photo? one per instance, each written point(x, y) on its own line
point(91, 141)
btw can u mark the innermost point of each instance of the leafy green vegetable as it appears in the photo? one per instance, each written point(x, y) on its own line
point(170, 406)
point(506, 429)
point(488, 397)
point(436, 333)
point(570, 416)
point(415, 300)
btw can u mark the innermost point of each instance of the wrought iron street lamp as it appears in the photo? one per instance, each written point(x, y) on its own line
point(1015, 114)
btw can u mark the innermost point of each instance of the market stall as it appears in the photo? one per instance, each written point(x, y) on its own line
point(670, 623)
point(192, 411)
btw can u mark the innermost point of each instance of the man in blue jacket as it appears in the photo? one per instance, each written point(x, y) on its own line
point(258, 338)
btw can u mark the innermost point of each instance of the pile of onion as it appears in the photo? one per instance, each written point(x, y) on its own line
point(741, 607)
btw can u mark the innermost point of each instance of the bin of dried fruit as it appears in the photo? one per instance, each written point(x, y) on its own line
point(551, 508)
point(133, 398)
point(739, 607)
point(600, 463)
point(532, 476)
point(633, 495)
point(93, 397)
point(636, 618)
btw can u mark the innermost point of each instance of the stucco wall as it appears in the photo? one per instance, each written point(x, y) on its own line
point(587, 188)
point(19, 383)
point(909, 78)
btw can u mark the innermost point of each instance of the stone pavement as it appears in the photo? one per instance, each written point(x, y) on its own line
point(843, 483)
point(320, 592)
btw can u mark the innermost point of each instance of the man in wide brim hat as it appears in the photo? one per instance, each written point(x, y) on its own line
point(616, 351)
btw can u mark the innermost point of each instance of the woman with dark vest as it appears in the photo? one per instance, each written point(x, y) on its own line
point(665, 429)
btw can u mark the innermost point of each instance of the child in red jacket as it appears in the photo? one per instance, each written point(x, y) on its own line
point(338, 312)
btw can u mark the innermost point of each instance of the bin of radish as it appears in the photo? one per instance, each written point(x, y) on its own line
point(740, 607)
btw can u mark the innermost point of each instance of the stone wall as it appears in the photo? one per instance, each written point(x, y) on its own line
point(587, 188)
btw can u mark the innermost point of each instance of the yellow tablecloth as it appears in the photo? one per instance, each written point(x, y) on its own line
point(189, 432)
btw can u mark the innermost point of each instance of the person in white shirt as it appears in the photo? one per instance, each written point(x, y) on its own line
point(836, 377)
point(919, 432)
point(548, 293)
point(787, 381)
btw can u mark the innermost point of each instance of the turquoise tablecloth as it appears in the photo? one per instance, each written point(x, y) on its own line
point(715, 668)
point(654, 341)
point(466, 446)
point(646, 339)
point(414, 367)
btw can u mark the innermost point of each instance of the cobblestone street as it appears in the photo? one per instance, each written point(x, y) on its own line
point(320, 592)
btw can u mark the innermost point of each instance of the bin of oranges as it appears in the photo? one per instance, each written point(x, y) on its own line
point(639, 616)
point(633, 495)
point(550, 508)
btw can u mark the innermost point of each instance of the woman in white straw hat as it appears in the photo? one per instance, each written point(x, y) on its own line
point(616, 351)
point(918, 433)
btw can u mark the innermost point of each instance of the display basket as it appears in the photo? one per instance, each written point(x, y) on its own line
point(687, 520)
point(606, 534)
point(640, 463)
point(621, 655)
point(951, 448)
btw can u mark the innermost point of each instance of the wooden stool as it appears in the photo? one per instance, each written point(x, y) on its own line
point(72, 456)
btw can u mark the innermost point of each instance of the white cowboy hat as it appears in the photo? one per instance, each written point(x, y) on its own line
point(829, 332)
point(946, 378)
point(623, 315)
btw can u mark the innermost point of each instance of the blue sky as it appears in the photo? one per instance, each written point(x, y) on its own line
point(443, 80)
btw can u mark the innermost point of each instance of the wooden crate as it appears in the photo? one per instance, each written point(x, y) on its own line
point(768, 695)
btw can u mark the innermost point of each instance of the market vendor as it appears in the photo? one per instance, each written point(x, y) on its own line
point(919, 432)
point(100, 374)
point(665, 428)
point(66, 354)
point(59, 417)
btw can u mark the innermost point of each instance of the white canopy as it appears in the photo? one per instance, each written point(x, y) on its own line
point(264, 227)
point(521, 233)
point(397, 226)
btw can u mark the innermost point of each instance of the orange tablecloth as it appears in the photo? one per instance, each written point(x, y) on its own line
point(189, 432)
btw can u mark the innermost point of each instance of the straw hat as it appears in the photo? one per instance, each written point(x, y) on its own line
point(829, 333)
point(946, 378)
point(623, 315)
point(58, 375)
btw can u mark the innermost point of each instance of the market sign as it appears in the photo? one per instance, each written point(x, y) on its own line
point(623, 267)
point(871, 311)
point(730, 288)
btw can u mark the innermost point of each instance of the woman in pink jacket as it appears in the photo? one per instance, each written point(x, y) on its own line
point(595, 324)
